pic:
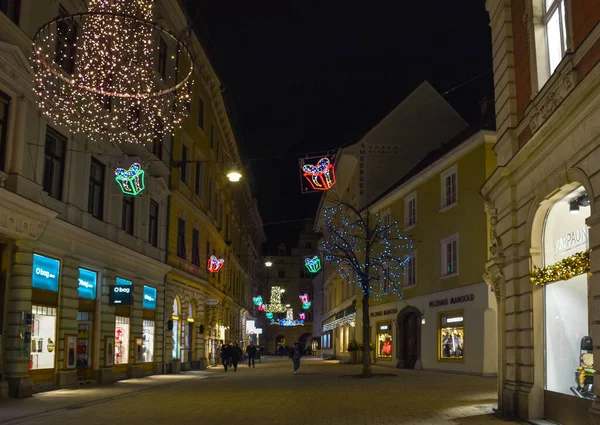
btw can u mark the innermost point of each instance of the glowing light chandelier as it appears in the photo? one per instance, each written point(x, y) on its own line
point(112, 73)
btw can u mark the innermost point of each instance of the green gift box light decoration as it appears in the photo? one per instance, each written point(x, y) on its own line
point(313, 265)
point(131, 181)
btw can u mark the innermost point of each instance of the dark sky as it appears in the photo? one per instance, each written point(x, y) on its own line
point(310, 76)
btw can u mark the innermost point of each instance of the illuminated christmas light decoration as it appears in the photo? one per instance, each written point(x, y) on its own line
point(302, 316)
point(313, 264)
point(288, 322)
point(131, 181)
point(215, 264)
point(269, 315)
point(257, 300)
point(262, 307)
point(564, 269)
point(112, 73)
point(320, 176)
point(306, 305)
point(275, 305)
point(289, 314)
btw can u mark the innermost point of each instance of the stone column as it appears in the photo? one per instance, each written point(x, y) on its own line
point(106, 374)
point(18, 300)
point(67, 319)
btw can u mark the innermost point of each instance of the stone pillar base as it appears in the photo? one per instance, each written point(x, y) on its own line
point(66, 379)
point(595, 413)
point(175, 366)
point(106, 375)
point(20, 387)
point(508, 409)
point(185, 366)
point(203, 363)
point(136, 371)
point(3, 390)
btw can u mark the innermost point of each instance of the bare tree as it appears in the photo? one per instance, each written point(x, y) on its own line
point(368, 252)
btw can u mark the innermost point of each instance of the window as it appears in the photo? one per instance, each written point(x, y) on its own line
point(227, 227)
point(410, 210)
point(451, 336)
point(212, 136)
point(153, 223)
point(12, 9)
point(201, 113)
point(148, 341)
point(198, 183)
point(157, 141)
point(127, 216)
point(54, 163)
point(66, 43)
point(4, 105)
point(449, 188)
point(181, 239)
point(281, 273)
point(308, 245)
point(162, 58)
point(195, 247)
point(386, 220)
point(207, 250)
point(121, 340)
point(210, 192)
point(96, 189)
point(184, 158)
point(555, 29)
point(43, 337)
point(450, 255)
point(384, 340)
point(411, 270)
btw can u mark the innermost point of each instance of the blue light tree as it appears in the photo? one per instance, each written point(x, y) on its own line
point(368, 252)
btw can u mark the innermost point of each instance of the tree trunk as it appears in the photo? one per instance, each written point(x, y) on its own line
point(366, 333)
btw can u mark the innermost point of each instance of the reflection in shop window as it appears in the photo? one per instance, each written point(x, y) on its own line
point(148, 341)
point(43, 337)
point(452, 335)
point(84, 346)
point(384, 340)
point(121, 340)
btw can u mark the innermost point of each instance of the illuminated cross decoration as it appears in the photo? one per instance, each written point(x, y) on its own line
point(275, 305)
point(131, 181)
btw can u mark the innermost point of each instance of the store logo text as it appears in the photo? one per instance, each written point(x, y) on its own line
point(571, 239)
point(44, 273)
point(453, 300)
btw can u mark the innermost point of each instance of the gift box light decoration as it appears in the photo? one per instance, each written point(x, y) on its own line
point(215, 264)
point(306, 303)
point(275, 305)
point(257, 300)
point(262, 307)
point(112, 72)
point(269, 315)
point(131, 180)
point(313, 264)
point(564, 269)
point(302, 316)
point(320, 176)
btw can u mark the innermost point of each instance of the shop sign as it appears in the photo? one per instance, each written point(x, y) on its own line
point(452, 300)
point(384, 327)
point(384, 312)
point(149, 302)
point(87, 284)
point(121, 295)
point(452, 320)
point(123, 282)
point(45, 273)
point(572, 239)
point(211, 301)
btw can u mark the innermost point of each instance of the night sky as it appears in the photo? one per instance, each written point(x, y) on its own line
point(315, 75)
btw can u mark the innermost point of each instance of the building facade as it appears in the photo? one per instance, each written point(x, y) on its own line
point(543, 204)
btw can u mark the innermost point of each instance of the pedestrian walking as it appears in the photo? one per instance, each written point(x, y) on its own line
point(225, 355)
point(251, 351)
point(236, 354)
point(295, 356)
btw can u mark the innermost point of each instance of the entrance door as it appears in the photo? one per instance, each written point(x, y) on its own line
point(410, 340)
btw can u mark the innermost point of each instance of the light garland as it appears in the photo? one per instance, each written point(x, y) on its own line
point(215, 264)
point(320, 176)
point(338, 322)
point(313, 264)
point(275, 305)
point(95, 73)
point(564, 269)
point(348, 234)
point(257, 300)
point(287, 322)
point(131, 181)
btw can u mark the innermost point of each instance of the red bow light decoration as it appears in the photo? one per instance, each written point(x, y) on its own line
point(320, 176)
point(215, 264)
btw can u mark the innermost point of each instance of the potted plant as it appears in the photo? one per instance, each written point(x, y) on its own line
point(353, 348)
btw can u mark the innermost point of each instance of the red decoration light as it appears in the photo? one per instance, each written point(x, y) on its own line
point(320, 176)
point(261, 307)
point(302, 316)
point(215, 264)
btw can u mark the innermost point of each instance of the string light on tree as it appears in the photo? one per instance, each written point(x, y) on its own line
point(95, 73)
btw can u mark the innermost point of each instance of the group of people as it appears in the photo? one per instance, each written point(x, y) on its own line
point(232, 354)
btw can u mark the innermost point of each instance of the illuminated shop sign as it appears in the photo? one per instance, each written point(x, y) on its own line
point(45, 272)
point(87, 284)
point(452, 320)
point(384, 327)
point(121, 295)
point(458, 319)
point(149, 298)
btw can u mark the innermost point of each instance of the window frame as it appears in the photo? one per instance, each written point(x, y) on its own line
point(4, 123)
point(181, 248)
point(183, 170)
point(128, 207)
point(161, 63)
point(444, 263)
point(408, 224)
point(444, 205)
point(199, 180)
point(51, 159)
point(201, 113)
point(67, 64)
point(196, 247)
point(153, 223)
point(93, 183)
point(158, 140)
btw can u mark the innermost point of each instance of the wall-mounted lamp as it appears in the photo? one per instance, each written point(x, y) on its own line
point(234, 175)
point(423, 321)
point(574, 207)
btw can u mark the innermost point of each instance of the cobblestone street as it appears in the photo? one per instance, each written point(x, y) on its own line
point(322, 393)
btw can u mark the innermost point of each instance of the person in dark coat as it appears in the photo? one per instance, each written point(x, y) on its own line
point(295, 354)
point(251, 351)
point(226, 355)
point(236, 355)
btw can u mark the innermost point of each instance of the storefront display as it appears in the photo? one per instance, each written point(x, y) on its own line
point(43, 338)
point(121, 340)
point(451, 337)
point(148, 341)
point(84, 345)
point(45, 273)
point(384, 340)
point(566, 301)
point(175, 352)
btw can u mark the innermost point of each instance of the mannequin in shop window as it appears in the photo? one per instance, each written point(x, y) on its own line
point(386, 350)
point(447, 342)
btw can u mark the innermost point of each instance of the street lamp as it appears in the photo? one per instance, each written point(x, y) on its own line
point(234, 175)
point(268, 263)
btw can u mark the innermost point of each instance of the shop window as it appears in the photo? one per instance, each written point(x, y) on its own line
point(54, 163)
point(566, 313)
point(84, 333)
point(175, 333)
point(122, 340)
point(148, 341)
point(451, 336)
point(384, 340)
point(43, 338)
